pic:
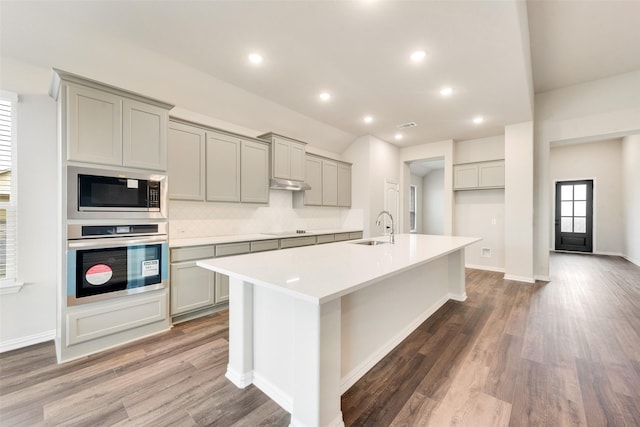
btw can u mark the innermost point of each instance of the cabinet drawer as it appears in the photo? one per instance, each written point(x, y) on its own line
point(264, 245)
point(326, 238)
point(192, 252)
point(355, 235)
point(342, 236)
point(295, 242)
point(85, 325)
point(233, 249)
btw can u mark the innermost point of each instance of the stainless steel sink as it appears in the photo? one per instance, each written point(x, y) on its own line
point(370, 243)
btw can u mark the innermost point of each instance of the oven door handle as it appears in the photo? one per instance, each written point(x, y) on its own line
point(111, 242)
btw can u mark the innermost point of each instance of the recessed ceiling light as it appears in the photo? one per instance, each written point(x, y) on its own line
point(398, 136)
point(255, 58)
point(325, 96)
point(446, 91)
point(368, 119)
point(418, 55)
point(478, 120)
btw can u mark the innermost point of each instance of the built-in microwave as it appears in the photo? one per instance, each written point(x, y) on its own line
point(107, 194)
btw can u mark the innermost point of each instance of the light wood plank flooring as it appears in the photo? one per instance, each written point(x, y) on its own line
point(550, 354)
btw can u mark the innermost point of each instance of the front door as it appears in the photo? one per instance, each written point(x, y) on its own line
point(574, 216)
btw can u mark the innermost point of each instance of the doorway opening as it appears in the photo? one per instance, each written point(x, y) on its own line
point(574, 216)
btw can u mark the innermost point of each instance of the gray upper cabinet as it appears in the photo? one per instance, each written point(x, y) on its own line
point(329, 183)
point(144, 142)
point(110, 126)
point(237, 169)
point(344, 185)
point(481, 175)
point(186, 162)
point(288, 159)
point(223, 167)
point(254, 167)
point(313, 177)
point(94, 126)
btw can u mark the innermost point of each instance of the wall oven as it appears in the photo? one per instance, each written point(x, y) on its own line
point(108, 261)
point(107, 194)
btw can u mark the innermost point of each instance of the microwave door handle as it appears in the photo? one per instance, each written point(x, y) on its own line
point(111, 242)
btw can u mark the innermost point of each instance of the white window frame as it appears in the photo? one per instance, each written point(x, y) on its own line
point(9, 284)
point(413, 201)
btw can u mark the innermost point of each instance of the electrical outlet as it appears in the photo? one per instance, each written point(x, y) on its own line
point(493, 221)
point(485, 252)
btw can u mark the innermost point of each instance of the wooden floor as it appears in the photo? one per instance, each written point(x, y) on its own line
point(550, 354)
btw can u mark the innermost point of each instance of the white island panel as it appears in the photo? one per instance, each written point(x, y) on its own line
point(307, 323)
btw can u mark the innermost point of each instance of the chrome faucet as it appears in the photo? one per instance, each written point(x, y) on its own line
point(378, 222)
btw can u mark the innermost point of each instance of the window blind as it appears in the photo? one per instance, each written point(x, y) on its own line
point(8, 216)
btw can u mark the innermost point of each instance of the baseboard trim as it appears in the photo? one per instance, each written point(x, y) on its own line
point(27, 341)
point(238, 379)
point(358, 372)
point(633, 261)
point(519, 278)
point(542, 278)
point(276, 393)
point(485, 267)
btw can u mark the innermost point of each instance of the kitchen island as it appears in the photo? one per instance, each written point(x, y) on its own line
point(305, 324)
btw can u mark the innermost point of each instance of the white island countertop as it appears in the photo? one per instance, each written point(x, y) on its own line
point(322, 273)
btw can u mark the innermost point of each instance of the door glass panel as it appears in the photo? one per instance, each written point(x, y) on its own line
point(580, 192)
point(579, 225)
point(567, 209)
point(567, 192)
point(566, 225)
point(580, 209)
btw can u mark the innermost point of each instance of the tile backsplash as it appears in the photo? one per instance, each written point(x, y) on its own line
point(199, 219)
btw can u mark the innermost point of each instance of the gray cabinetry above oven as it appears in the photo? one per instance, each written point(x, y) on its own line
point(110, 126)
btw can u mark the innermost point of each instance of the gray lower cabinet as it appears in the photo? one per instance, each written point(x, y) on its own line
point(192, 287)
point(196, 291)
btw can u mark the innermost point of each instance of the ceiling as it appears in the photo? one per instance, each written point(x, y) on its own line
point(194, 54)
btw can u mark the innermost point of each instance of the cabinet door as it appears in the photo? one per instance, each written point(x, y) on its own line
point(222, 288)
point(281, 158)
point(491, 174)
point(254, 167)
point(145, 135)
point(94, 126)
point(192, 287)
point(344, 185)
point(223, 168)
point(329, 183)
point(186, 155)
point(313, 177)
point(297, 161)
point(465, 176)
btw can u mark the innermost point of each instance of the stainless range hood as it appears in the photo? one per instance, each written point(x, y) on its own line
point(287, 184)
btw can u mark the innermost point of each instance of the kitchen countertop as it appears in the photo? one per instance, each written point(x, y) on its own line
point(322, 273)
point(214, 240)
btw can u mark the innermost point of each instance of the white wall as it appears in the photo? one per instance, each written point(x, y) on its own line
point(374, 161)
point(596, 110)
point(29, 316)
point(433, 202)
point(601, 162)
point(418, 182)
point(434, 150)
point(631, 197)
point(480, 213)
point(518, 202)
point(479, 150)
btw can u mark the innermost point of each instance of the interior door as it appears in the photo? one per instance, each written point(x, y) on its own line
point(574, 216)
